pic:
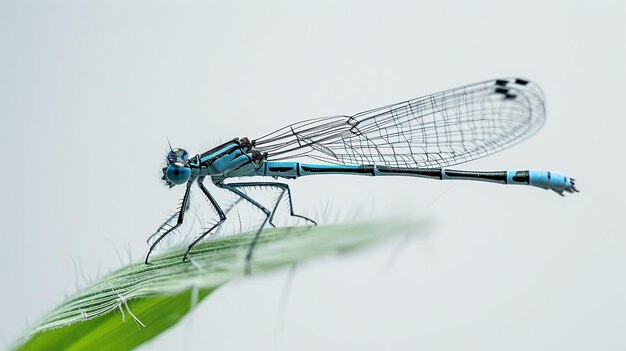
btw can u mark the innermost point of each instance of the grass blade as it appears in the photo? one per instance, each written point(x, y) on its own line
point(136, 303)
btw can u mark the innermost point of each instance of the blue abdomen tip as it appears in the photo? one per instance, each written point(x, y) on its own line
point(552, 181)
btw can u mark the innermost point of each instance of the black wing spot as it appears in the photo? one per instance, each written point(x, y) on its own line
point(501, 82)
point(504, 91)
point(521, 81)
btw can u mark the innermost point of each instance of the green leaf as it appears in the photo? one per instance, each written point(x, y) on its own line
point(138, 302)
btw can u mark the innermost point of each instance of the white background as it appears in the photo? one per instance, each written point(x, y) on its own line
point(89, 91)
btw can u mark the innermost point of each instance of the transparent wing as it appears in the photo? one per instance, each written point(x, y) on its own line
point(438, 130)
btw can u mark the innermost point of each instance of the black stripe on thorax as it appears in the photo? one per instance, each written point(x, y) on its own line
point(217, 148)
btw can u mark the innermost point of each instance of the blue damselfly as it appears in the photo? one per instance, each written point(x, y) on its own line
point(417, 138)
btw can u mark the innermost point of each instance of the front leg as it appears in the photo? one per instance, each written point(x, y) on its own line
point(219, 212)
point(164, 225)
point(181, 215)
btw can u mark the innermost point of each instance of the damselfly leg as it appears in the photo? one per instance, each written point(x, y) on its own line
point(232, 206)
point(232, 187)
point(181, 215)
point(162, 227)
point(217, 208)
point(165, 224)
point(284, 188)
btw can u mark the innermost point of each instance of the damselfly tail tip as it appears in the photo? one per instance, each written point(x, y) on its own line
point(571, 187)
point(568, 186)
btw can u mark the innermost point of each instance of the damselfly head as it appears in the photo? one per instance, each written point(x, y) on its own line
point(177, 155)
point(177, 170)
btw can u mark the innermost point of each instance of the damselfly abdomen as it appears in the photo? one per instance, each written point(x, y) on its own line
point(418, 138)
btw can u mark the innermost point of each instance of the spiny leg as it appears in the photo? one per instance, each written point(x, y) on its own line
point(284, 188)
point(165, 224)
point(219, 212)
point(232, 187)
point(181, 216)
point(280, 197)
point(233, 205)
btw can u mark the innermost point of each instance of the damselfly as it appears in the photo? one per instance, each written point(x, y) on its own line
point(415, 138)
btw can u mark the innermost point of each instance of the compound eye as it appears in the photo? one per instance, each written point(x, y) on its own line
point(177, 173)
